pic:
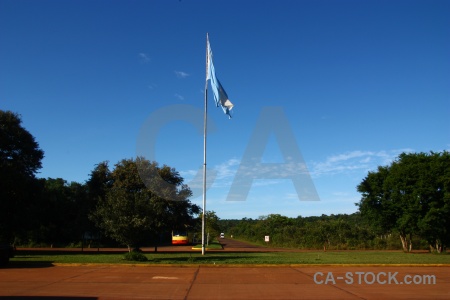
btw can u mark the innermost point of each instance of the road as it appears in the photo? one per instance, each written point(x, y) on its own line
point(235, 245)
point(229, 245)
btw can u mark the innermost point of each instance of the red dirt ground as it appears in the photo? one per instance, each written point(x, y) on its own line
point(221, 282)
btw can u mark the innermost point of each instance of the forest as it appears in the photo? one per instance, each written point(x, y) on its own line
point(326, 232)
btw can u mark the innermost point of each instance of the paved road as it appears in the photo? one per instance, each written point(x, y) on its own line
point(234, 245)
point(203, 282)
point(229, 245)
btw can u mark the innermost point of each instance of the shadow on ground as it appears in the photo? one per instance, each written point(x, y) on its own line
point(196, 259)
point(28, 264)
point(46, 297)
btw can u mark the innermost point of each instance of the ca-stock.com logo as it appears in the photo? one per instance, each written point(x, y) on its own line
point(271, 120)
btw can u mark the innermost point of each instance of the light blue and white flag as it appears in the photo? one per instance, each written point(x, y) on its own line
point(220, 96)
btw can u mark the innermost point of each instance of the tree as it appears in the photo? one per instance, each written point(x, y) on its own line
point(20, 158)
point(434, 225)
point(376, 204)
point(411, 196)
point(78, 197)
point(56, 205)
point(131, 212)
point(212, 227)
point(99, 182)
point(59, 213)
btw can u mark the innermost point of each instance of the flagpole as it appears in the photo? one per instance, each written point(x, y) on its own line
point(204, 149)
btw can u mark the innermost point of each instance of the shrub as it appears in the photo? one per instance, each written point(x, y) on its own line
point(135, 256)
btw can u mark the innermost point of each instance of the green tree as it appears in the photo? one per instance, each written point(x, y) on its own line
point(56, 208)
point(59, 213)
point(376, 205)
point(79, 199)
point(212, 227)
point(130, 211)
point(434, 188)
point(315, 232)
point(20, 158)
point(99, 182)
point(411, 197)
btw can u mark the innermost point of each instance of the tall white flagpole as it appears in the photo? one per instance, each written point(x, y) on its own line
point(204, 146)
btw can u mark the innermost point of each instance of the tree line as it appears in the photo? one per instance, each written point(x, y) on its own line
point(405, 205)
point(325, 232)
point(131, 204)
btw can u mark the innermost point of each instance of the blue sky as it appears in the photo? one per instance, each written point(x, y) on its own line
point(359, 82)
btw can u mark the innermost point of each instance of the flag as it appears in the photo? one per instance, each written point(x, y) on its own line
point(220, 96)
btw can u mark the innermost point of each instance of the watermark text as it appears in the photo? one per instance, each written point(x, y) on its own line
point(374, 278)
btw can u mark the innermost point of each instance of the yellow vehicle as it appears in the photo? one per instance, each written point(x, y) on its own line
point(180, 237)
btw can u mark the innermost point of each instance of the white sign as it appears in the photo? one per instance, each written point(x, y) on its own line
point(266, 238)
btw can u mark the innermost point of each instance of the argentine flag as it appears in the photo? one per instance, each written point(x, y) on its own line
point(220, 96)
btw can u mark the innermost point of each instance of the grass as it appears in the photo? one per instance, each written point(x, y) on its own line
point(230, 258)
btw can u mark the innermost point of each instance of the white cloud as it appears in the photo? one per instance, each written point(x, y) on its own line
point(179, 97)
point(354, 161)
point(181, 74)
point(144, 57)
point(188, 173)
point(152, 86)
point(227, 169)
